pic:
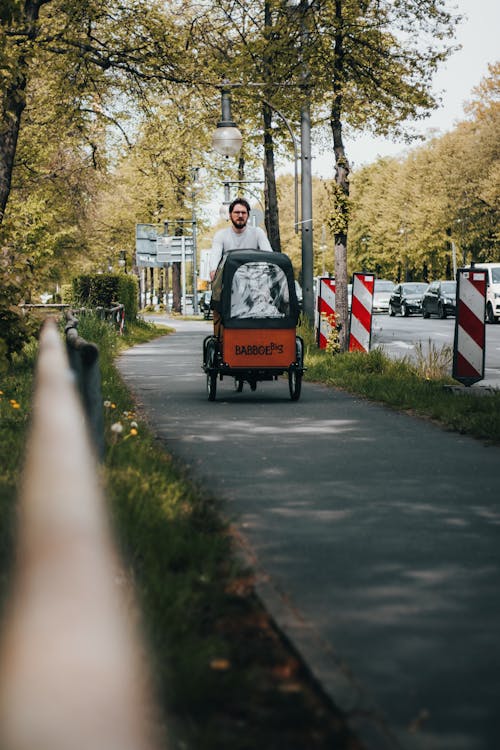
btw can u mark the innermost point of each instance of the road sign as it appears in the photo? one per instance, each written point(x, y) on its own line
point(174, 249)
point(153, 249)
point(469, 342)
point(361, 312)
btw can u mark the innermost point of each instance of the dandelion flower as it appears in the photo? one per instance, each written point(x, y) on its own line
point(107, 404)
point(220, 665)
point(133, 431)
point(117, 428)
point(134, 425)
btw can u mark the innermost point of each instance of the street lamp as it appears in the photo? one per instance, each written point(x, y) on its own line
point(226, 139)
point(122, 260)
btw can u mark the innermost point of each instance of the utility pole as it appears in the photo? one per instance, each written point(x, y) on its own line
point(306, 175)
point(306, 212)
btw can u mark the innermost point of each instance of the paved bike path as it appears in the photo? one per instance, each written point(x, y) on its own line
point(375, 536)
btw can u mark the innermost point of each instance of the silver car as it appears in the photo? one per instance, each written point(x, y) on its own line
point(382, 291)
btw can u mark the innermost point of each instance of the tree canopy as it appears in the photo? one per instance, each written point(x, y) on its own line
point(106, 107)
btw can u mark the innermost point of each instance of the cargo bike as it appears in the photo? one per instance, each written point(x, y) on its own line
point(254, 292)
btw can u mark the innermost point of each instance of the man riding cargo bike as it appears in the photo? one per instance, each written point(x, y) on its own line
point(255, 311)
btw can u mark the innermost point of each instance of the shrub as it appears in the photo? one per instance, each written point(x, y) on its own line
point(15, 326)
point(106, 289)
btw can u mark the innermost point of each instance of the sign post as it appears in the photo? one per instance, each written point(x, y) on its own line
point(155, 250)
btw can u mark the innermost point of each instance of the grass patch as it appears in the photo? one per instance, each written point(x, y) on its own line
point(419, 388)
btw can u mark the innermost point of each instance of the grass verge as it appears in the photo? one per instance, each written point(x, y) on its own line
point(419, 388)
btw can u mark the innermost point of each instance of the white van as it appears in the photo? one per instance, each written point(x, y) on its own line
point(492, 290)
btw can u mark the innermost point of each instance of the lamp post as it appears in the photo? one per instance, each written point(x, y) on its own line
point(305, 168)
point(195, 186)
point(403, 232)
point(227, 140)
point(122, 260)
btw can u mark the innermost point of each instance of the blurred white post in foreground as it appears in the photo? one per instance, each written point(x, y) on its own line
point(73, 672)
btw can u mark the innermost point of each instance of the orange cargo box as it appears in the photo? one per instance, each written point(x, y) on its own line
point(249, 347)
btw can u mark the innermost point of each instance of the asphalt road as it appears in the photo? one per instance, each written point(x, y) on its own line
point(375, 537)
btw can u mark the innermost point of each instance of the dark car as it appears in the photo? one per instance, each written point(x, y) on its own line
point(440, 299)
point(204, 303)
point(406, 298)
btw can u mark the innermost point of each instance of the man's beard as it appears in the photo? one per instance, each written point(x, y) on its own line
point(239, 223)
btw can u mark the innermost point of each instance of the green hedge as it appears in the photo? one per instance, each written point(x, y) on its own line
point(106, 289)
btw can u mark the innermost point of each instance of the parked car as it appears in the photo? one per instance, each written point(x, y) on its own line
point(492, 290)
point(440, 299)
point(406, 299)
point(204, 303)
point(382, 291)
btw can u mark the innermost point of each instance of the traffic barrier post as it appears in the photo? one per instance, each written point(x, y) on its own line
point(325, 310)
point(469, 340)
point(361, 312)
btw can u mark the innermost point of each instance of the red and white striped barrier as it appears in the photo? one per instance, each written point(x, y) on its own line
point(361, 312)
point(325, 310)
point(469, 342)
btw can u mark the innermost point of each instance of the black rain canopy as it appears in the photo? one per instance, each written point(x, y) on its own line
point(258, 290)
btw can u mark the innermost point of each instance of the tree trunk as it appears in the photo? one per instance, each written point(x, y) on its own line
point(13, 104)
point(341, 219)
point(176, 288)
point(152, 286)
point(270, 192)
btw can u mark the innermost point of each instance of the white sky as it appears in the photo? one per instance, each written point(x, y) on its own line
point(479, 35)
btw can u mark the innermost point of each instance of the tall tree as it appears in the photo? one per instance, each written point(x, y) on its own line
point(369, 58)
point(105, 53)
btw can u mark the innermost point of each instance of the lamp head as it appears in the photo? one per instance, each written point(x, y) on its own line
point(226, 139)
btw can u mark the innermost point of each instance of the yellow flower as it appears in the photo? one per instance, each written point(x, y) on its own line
point(220, 665)
point(133, 431)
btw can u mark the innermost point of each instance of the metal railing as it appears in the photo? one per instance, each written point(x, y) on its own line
point(73, 671)
point(84, 361)
point(116, 313)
